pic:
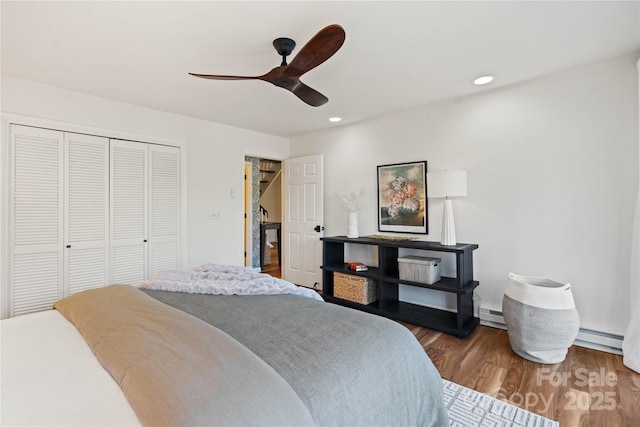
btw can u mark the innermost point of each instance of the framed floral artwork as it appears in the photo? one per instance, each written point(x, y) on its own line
point(402, 198)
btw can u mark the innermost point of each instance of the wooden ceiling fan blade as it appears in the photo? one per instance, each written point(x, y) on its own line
point(321, 47)
point(309, 95)
point(221, 77)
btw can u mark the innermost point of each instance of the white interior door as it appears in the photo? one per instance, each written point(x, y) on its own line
point(129, 212)
point(86, 219)
point(36, 219)
point(303, 221)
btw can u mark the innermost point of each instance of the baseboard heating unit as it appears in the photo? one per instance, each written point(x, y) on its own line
point(597, 340)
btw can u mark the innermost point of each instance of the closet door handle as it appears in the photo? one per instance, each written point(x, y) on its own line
point(145, 240)
point(68, 246)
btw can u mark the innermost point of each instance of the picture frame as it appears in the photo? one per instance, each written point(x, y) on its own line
point(402, 198)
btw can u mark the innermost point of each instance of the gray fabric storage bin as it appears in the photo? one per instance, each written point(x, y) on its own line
point(419, 269)
point(541, 318)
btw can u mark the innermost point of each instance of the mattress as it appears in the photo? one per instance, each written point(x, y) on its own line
point(49, 376)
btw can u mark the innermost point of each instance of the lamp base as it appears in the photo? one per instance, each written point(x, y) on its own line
point(448, 237)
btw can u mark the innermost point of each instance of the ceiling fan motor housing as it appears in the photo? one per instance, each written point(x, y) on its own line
point(284, 46)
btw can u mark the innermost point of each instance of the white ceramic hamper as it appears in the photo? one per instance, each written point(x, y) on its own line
point(541, 318)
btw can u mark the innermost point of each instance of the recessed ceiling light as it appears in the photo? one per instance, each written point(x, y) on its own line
point(483, 80)
point(335, 119)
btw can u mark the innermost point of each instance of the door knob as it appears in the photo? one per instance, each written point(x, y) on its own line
point(318, 228)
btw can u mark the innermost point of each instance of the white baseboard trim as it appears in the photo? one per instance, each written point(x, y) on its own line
point(588, 338)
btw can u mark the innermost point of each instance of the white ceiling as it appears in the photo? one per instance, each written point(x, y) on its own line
point(397, 55)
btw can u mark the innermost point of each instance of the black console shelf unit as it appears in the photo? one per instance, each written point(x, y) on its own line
point(460, 323)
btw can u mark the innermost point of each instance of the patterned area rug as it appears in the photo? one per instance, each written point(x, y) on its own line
point(469, 408)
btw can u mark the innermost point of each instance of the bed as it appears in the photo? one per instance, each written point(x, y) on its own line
point(122, 355)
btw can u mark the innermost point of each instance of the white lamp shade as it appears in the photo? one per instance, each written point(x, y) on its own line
point(447, 183)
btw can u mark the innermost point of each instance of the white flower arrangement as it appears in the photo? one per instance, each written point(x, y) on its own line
point(352, 200)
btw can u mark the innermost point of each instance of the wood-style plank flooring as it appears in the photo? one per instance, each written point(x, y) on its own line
point(590, 388)
point(273, 268)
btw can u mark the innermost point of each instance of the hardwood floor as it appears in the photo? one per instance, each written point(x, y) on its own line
point(590, 388)
point(273, 268)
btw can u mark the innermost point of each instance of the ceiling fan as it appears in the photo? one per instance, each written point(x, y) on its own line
point(321, 47)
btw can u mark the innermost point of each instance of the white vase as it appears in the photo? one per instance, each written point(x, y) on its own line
point(352, 225)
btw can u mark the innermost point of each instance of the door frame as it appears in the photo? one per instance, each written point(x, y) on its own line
point(248, 218)
point(255, 244)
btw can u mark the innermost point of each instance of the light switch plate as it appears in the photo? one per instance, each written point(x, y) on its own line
point(217, 214)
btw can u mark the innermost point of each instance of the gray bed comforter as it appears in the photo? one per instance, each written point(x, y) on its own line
point(348, 367)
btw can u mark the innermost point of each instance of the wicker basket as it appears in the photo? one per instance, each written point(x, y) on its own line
point(354, 288)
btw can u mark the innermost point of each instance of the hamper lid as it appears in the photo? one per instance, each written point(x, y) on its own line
point(415, 259)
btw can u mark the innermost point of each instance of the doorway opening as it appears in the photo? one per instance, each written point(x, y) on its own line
point(263, 215)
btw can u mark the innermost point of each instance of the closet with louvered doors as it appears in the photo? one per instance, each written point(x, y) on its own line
point(145, 196)
point(58, 216)
point(86, 211)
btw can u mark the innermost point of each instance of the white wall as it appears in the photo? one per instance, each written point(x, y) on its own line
point(552, 168)
point(214, 162)
point(552, 178)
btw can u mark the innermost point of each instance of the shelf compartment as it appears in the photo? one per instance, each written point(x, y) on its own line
point(374, 307)
point(428, 317)
point(445, 284)
point(372, 272)
point(411, 244)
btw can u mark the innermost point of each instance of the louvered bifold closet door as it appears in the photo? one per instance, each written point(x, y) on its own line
point(35, 218)
point(164, 198)
point(86, 226)
point(128, 166)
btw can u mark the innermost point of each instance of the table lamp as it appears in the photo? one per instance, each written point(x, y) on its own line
point(447, 184)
